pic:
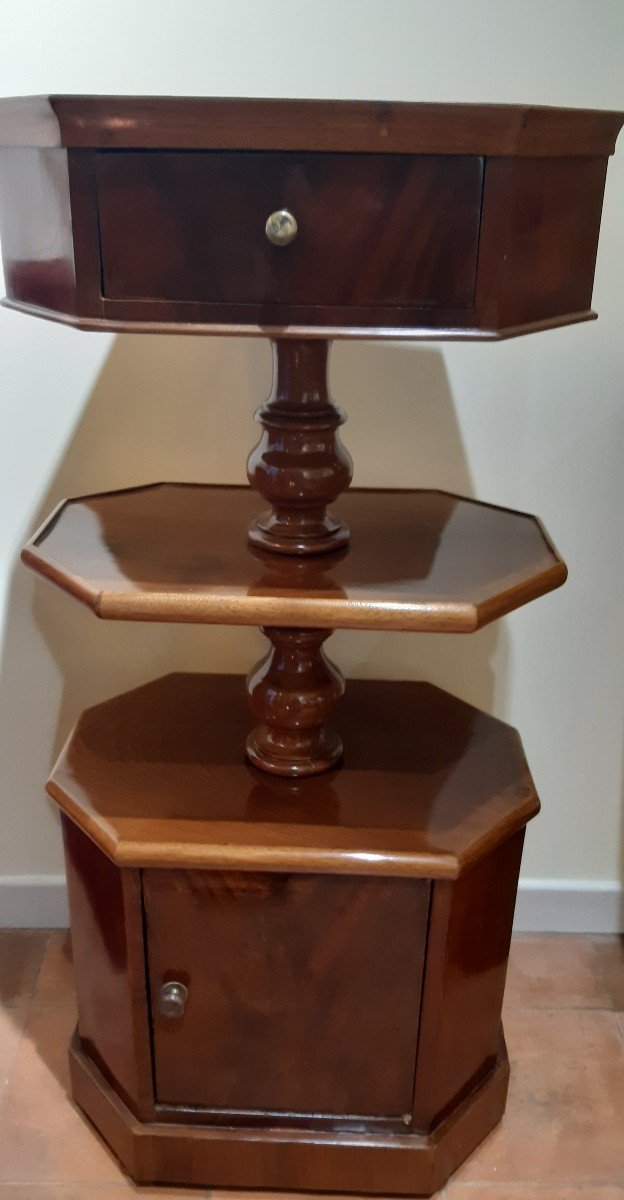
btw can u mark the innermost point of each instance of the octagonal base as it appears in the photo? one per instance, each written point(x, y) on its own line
point(406, 1164)
point(341, 940)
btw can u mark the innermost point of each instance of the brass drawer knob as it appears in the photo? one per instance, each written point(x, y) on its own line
point(281, 227)
point(172, 999)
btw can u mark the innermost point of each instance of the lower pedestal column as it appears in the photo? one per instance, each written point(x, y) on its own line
point(293, 691)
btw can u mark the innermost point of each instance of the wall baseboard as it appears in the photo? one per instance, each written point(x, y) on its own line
point(33, 902)
point(569, 906)
point(544, 905)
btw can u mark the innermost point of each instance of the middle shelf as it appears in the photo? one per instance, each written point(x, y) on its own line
point(418, 560)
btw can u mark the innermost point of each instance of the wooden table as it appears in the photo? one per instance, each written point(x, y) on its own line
point(291, 940)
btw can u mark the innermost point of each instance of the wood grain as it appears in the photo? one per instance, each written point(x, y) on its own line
point(400, 1164)
point(468, 947)
point(418, 560)
point(157, 777)
point(168, 198)
point(304, 992)
point(201, 123)
point(299, 465)
point(109, 965)
point(293, 692)
point(373, 229)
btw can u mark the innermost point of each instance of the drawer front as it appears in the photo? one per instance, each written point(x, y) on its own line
point(373, 229)
point(303, 991)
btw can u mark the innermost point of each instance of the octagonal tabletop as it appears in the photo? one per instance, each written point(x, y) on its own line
point(418, 560)
point(429, 785)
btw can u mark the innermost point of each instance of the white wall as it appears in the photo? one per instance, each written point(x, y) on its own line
point(535, 423)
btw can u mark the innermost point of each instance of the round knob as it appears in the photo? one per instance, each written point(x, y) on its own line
point(281, 227)
point(172, 999)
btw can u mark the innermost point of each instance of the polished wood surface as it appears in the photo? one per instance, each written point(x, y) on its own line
point(539, 237)
point(157, 777)
point(405, 1164)
point(467, 951)
point(299, 465)
point(418, 560)
point(373, 229)
point(293, 691)
point(106, 910)
point(167, 200)
point(212, 123)
point(303, 993)
point(35, 227)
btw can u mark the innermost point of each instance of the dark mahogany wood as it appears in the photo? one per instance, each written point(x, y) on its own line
point(299, 465)
point(539, 238)
point(109, 967)
point(293, 692)
point(213, 123)
point(417, 560)
point(163, 212)
point(342, 1023)
point(36, 228)
point(468, 948)
point(303, 993)
point(401, 1164)
point(292, 982)
point(374, 229)
point(429, 785)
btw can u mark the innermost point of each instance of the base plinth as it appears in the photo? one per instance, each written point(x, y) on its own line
point(404, 1164)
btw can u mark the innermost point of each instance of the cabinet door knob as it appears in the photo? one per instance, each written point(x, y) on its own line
point(281, 227)
point(172, 999)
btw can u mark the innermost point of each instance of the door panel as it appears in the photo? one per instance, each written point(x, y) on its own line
point(304, 990)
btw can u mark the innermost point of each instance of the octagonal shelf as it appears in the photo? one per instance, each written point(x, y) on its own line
point(429, 784)
point(418, 560)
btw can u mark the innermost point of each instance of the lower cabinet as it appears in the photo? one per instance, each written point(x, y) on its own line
point(283, 1030)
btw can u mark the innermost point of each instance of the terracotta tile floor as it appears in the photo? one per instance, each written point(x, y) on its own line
point(562, 1137)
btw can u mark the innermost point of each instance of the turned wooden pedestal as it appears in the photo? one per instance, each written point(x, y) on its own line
point(291, 926)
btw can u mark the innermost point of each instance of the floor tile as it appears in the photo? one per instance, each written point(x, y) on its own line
point(234, 1194)
point(43, 1138)
point(522, 1191)
point(55, 982)
point(554, 971)
point(79, 1191)
point(11, 1025)
point(609, 952)
point(564, 1116)
point(21, 952)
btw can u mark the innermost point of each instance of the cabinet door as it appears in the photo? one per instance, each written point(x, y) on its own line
point(303, 990)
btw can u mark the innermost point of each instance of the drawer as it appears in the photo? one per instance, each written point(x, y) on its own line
point(303, 991)
point(373, 229)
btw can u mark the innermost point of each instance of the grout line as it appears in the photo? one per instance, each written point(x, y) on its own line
point(6, 1079)
point(557, 1008)
point(600, 973)
point(39, 968)
point(554, 1185)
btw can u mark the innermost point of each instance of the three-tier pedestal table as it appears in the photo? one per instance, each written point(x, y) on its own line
point(291, 924)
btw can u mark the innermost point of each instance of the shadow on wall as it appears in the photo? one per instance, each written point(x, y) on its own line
point(181, 408)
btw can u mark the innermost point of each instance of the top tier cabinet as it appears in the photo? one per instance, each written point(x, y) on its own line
point(408, 220)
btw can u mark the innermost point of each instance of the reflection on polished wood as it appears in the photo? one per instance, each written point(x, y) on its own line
point(299, 465)
point(418, 560)
point(157, 777)
point(167, 200)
